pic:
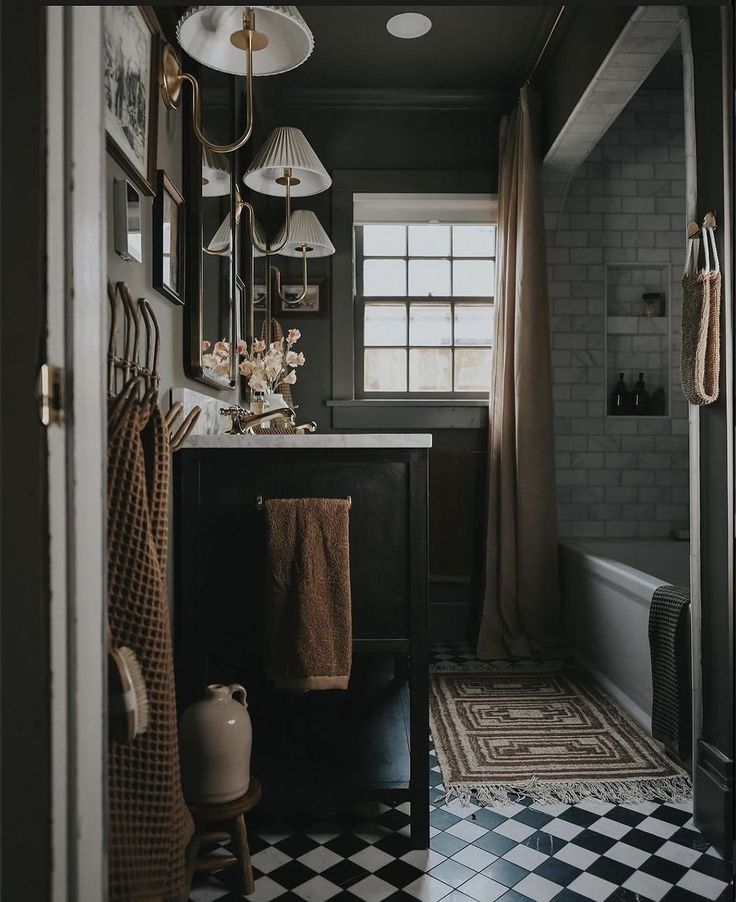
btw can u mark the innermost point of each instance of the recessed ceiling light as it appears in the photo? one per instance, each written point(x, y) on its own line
point(408, 25)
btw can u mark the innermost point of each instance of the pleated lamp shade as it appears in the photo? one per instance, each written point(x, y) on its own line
point(220, 243)
point(287, 148)
point(215, 174)
point(204, 32)
point(306, 230)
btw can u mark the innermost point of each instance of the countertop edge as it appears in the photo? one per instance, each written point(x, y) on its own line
point(293, 442)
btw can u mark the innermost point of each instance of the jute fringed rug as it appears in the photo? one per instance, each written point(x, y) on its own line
point(553, 735)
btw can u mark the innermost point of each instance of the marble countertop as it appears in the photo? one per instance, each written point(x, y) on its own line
point(313, 440)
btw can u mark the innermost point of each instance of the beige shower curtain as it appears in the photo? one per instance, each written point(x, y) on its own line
point(521, 604)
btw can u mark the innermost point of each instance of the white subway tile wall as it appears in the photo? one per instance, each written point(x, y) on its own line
point(620, 477)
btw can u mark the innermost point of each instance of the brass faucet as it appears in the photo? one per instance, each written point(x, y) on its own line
point(243, 420)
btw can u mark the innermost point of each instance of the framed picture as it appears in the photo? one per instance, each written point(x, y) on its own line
point(131, 50)
point(168, 239)
point(127, 221)
point(314, 304)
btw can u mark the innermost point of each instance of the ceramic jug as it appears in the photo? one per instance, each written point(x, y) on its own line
point(215, 735)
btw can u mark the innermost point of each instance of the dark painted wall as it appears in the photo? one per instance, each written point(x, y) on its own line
point(714, 774)
point(368, 138)
point(364, 138)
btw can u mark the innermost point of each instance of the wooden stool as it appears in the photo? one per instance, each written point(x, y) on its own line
point(229, 817)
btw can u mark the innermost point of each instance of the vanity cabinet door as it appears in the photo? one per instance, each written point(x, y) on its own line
point(221, 537)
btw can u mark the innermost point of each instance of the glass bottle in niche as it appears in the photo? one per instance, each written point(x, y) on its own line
point(641, 397)
point(620, 397)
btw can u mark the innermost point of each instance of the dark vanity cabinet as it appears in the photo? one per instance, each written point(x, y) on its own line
point(372, 738)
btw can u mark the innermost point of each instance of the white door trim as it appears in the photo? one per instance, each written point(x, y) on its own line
point(76, 241)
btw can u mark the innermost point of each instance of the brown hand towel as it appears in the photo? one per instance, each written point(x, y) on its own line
point(308, 622)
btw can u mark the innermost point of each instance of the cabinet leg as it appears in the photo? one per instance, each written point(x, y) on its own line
point(243, 853)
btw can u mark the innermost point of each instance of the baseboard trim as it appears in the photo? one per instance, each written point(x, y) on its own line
point(714, 803)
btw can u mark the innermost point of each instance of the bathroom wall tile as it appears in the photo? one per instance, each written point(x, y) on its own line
point(624, 205)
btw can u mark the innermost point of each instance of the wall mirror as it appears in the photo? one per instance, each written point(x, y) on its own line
point(212, 239)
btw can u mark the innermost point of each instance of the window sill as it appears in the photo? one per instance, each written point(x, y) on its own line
point(412, 413)
point(409, 402)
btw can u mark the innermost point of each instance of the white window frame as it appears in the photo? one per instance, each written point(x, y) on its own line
point(414, 209)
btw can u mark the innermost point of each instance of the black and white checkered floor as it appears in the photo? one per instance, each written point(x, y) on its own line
point(514, 853)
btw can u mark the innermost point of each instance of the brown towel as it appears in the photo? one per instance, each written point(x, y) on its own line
point(308, 622)
point(150, 825)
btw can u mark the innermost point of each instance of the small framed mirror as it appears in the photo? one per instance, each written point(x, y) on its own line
point(127, 221)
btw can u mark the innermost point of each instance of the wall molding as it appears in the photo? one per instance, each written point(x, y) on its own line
point(408, 99)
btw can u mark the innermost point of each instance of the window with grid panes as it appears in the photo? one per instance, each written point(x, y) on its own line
point(424, 308)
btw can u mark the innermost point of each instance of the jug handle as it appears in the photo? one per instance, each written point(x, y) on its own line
point(237, 690)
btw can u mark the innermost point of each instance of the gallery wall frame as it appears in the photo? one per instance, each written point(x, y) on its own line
point(131, 47)
point(168, 246)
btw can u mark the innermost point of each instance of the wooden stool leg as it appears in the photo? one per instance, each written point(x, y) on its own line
point(243, 853)
point(192, 855)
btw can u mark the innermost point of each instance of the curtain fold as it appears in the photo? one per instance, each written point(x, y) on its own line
point(521, 603)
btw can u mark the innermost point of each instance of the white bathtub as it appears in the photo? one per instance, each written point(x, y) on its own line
point(607, 587)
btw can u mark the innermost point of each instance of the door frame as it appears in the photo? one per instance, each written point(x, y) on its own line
point(76, 320)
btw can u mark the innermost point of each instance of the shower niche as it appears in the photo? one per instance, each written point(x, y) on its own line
point(638, 339)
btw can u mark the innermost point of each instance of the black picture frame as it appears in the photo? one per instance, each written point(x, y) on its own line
point(313, 306)
point(124, 27)
point(168, 276)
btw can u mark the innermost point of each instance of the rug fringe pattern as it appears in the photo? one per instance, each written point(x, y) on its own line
point(544, 792)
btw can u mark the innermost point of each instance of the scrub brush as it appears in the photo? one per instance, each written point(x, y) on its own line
point(128, 697)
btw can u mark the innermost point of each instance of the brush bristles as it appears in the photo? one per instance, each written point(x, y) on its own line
point(138, 685)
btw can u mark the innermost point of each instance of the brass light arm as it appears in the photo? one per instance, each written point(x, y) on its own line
point(277, 276)
point(270, 251)
point(173, 76)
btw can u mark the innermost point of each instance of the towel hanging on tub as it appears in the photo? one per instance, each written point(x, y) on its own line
point(308, 616)
point(701, 312)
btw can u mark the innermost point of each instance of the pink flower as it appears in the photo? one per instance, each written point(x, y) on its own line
point(289, 380)
point(275, 345)
point(206, 344)
point(294, 359)
point(242, 347)
point(221, 349)
point(293, 336)
point(259, 345)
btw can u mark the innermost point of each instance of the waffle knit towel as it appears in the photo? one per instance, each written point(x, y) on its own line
point(669, 643)
point(308, 622)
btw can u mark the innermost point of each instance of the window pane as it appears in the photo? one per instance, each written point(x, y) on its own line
point(430, 324)
point(474, 241)
point(385, 369)
point(430, 369)
point(474, 278)
point(384, 278)
point(384, 324)
point(474, 324)
point(384, 241)
point(429, 241)
point(472, 369)
point(429, 278)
